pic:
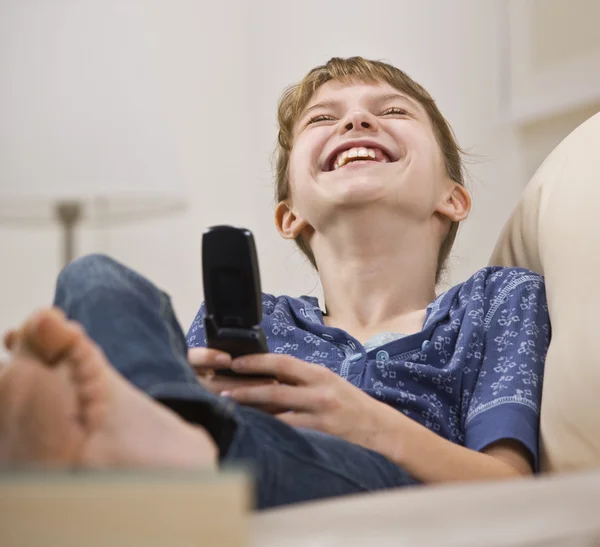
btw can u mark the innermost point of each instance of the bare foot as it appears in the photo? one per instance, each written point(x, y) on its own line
point(62, 404)
point(38, 410)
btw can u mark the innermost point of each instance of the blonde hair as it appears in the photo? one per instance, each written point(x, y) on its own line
point(296, 97)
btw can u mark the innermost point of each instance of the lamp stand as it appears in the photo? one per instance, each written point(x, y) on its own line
point(68, 214)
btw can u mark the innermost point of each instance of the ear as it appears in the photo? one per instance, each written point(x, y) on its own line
point(288, 222)
point(455, 204)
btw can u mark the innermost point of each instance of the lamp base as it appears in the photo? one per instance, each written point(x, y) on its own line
point(68, 213)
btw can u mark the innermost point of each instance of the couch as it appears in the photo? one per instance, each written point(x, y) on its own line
point(554, 231)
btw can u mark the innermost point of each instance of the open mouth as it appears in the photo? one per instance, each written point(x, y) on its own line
point(346, 155)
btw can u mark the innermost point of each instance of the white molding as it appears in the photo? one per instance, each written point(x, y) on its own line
point(536, 92)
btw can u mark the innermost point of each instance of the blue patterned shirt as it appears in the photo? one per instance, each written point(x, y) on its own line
point(472, 375)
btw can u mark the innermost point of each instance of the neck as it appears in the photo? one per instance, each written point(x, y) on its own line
point(376, 275)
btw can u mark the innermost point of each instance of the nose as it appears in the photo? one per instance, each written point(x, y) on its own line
point(359, 120)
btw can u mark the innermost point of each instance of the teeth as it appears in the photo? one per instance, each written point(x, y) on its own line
point(361, 152)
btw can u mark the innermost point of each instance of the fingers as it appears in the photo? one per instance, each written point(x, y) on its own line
point(208, 359)
point(287, 369)
point(280, 396)
point(219, 384)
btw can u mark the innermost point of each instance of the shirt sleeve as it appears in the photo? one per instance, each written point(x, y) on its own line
point(505, 403)
point(196, 335)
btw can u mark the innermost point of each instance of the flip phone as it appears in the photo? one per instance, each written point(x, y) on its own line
point(232, 293)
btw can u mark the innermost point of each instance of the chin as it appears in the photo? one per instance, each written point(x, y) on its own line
point(362, 189)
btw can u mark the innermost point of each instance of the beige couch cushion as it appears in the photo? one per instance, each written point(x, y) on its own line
point(554, 231)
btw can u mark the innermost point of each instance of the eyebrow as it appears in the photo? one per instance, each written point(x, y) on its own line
point(388, 97)
point(323, 104)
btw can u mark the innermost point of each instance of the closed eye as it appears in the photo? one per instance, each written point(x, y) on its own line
point(320, 118)
point(395, 110)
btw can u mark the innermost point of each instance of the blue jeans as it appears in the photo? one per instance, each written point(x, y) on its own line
point(133, 322)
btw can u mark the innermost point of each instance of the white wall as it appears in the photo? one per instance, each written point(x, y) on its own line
point(564, 34)
point(221, 67)
point(542, 136)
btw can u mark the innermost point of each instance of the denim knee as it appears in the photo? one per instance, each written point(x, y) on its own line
point(98, 271)
point(89, 269)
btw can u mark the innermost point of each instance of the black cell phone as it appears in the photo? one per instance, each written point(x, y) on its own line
point(232, 293)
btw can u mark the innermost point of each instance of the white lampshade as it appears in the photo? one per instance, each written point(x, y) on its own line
point(82, 115)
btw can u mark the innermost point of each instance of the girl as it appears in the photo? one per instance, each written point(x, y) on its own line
point(390, 386)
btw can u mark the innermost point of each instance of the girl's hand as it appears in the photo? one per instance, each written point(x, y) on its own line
point(311, 396)
point(206, 361)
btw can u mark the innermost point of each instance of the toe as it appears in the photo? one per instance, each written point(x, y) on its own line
point(49, 335)
point(10, 339)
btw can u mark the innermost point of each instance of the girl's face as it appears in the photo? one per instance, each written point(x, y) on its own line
point(357, 144)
